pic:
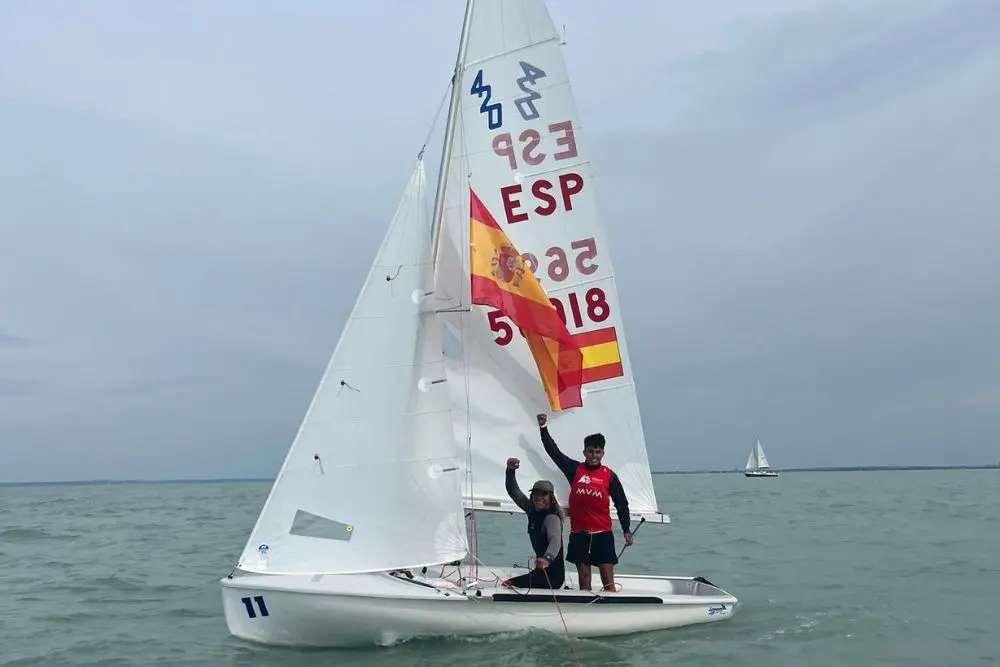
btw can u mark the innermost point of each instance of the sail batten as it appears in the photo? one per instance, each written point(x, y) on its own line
point(507, 507)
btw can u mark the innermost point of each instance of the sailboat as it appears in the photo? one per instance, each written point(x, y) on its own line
point(757, 465)
point(368, 535)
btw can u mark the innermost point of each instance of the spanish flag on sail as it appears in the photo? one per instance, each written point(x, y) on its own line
point(602, 358)
point(501, 279)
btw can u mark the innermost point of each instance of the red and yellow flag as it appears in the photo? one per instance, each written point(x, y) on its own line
point(501, 279)
point(602, 359)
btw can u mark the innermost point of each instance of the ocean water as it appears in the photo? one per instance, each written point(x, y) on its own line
point(846, 569)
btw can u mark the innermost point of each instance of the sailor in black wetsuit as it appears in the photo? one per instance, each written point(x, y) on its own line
point(544, 529)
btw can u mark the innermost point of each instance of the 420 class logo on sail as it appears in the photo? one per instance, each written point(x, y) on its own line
point(508, 266)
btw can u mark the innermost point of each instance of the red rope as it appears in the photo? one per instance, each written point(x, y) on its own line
point(474, 548)
point(569, 637)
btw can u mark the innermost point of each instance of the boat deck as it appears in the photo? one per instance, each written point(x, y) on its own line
point(631, 589)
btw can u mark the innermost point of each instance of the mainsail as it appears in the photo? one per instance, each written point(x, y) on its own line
point(517, 142)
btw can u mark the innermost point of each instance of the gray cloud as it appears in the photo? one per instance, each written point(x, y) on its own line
point(827, 253)
point(193, 209)
point(11, 340)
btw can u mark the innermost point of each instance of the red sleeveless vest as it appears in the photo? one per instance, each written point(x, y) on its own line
point(590, 500)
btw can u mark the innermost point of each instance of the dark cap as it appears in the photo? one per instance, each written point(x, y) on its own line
point(543, 485)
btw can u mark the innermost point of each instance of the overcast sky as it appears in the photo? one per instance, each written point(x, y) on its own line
point(801, 196)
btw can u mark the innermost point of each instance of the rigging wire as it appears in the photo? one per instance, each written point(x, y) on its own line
point(437, 116)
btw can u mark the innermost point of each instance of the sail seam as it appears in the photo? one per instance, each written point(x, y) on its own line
point(502, 54)
point(582, 283)
point(381, 462)
point(363, 421)
point(560, 168)
point(313, 573)
point(624, 385)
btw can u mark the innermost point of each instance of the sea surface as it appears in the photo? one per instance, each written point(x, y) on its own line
point(846, 569)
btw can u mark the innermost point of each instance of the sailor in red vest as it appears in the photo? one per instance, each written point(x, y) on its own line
point(593, 487)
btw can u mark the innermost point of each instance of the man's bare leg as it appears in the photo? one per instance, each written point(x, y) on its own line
point(583, 572)
point(607, 571)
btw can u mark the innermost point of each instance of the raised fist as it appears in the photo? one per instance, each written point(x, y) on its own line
point(513, 464)
point(542, 420)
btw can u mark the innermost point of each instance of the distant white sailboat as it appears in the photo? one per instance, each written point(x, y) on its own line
point(757, 465)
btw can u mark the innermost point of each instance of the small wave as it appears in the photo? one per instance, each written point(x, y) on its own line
point(104, 583)
point(942, 543)
point(20, 534)
point(491, 639)
point(392, 639)
point(67, 617)
point(711, 552)
point(807, 623)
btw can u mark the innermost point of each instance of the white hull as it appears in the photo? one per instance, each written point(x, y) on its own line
point(380, 609)
point(760, 473)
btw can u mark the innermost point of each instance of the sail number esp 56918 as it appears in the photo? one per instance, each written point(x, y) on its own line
point(593, 306)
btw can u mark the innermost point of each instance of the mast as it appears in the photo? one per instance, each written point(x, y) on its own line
point(449, 131)
point(437, 218)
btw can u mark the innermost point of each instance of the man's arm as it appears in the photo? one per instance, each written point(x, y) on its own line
point(514, 491)
point(620, 501)
point(566, 465)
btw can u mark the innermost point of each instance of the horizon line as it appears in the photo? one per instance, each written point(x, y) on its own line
point(230, 480)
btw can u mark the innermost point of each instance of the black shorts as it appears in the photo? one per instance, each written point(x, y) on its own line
point(592, 549)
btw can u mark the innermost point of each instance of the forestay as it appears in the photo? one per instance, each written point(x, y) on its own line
point(518, 145)
point(371, 481)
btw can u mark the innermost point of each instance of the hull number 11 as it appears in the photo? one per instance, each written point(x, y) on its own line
point(248, 604)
